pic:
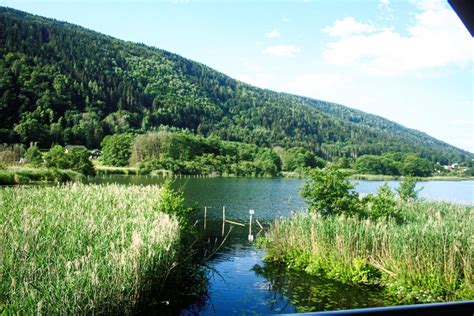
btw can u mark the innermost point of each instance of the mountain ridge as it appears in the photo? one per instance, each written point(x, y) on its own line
point(94, 85)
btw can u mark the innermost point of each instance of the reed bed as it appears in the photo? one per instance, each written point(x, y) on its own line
point(427, 257)
point(116, 170)
point(81, 249)
point(25, 175)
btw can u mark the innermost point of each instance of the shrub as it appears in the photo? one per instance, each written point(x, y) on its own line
point(406, 190)
point(116, 149)
point(33, 155)
point(11, 154)
point(75, 159)
point(383, 204)
point(329, 192)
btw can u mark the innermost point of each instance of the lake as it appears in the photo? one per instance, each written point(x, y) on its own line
point(239, 281)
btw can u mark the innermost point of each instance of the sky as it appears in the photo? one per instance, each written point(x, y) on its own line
point(408, 61)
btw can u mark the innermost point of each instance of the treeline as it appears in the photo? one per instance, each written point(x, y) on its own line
point(186, 153)
point(63, 84)
point(395, 164)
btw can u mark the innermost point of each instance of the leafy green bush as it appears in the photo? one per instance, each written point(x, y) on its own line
point(116, 149)
point(33, 155)
point(329, 192)
point(406, 190)
point(382, 204)
point(75, 159)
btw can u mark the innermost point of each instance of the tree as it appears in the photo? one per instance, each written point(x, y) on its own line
point(116, 149)
point(414, 165)
point(406, 189)
point(298, 158)
point(382, 204)
point(56, 157)
point(33, 155)
point(79, 161)
point(329, 192)
point(268, 163)
point(75, 159)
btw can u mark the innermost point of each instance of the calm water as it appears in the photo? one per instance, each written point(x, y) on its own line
point(240, 283)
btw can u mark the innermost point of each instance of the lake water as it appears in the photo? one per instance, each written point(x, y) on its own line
point(240, 283)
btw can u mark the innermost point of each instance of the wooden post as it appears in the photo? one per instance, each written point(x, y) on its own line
point(251, 212)
point(223, 220)
point(205, 216)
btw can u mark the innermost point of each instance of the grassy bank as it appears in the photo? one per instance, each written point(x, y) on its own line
point(116, 170)
point(427, 257)
point(380, 177)
point(25, 175)
point(82, 249)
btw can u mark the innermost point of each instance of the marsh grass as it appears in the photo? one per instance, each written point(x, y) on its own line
point(427, 257)
point(116, 170)
point(81, 249)
point(25, 175)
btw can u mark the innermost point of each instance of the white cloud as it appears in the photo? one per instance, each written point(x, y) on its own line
point(281, 51)
point(285, 19)
point(437, 39)
point(273, 34)
point(383, 4)
point(348, 26)
point(385, 10)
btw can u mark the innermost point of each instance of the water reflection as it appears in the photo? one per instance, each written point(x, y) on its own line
point(310, 293)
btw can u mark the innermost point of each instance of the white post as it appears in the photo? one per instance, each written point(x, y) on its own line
point(251, 212)
point(223, 220)
point(205, 216)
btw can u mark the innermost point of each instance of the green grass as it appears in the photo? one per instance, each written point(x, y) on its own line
point(116, 170)
point(82, 249)
point(427, 257)
point(25, 175)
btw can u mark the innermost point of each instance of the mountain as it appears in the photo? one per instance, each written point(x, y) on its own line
point(61, 83)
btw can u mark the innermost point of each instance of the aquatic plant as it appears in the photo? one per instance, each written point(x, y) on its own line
point(82, 249)
point(425, 257)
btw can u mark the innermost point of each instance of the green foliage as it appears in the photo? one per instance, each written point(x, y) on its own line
point(406, 190)
point(33, 155)
point(425, 258)
point(268, 163)
point(328, 192)
point(407, 164)
point(172, 202)
point(61, 84)
point(470, 171)
point(116, 149)
point(85, 249)
point(184, 153)
point(11, 154)
point(75, 159)
point(413, 165)
point(383, 204)
point(56, 157)
point(298, 158)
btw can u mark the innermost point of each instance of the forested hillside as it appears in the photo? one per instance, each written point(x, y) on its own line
point(61, 83)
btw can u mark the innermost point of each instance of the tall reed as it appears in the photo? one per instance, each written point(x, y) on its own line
point(428, 257)
point(80, 249)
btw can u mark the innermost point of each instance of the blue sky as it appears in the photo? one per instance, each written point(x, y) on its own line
point(408, 61)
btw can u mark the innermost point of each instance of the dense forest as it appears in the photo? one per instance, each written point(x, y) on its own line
point(181, 152)
point(64, 84)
